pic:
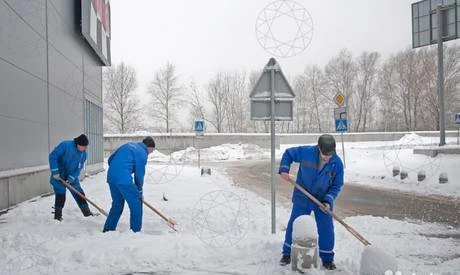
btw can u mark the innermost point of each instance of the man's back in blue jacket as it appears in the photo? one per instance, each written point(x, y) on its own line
point(127, 160)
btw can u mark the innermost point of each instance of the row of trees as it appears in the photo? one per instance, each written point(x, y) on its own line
point(396, 94)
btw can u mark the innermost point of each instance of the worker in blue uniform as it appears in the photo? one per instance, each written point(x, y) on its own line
point(66, 162)
point(127, 161)
point(321, 174)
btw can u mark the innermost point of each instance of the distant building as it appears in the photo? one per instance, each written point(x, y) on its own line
point(51, 58)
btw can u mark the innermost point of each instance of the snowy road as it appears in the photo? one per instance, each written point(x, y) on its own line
point(354, 199)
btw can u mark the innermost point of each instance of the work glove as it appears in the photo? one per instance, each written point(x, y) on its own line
point(325, 207)
point(328, 203)
point(141, 195)
point(285, 176)
point(70, 179)
point(57, 177)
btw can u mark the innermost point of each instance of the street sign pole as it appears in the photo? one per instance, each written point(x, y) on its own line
point(272, 138)
point(442, 129)
point(341, 122)
point(343, 150)
point(271, 100)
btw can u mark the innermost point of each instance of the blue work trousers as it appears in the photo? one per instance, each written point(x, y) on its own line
point(121, 193)
point(324, 225)
point(60, 189)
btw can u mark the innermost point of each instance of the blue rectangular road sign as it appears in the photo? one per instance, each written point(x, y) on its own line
point(199, 127)
point(341, 125)
point(457, 118)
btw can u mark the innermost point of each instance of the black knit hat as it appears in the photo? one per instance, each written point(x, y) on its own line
point(326, 144)
point(81, 140)
point(149, 142)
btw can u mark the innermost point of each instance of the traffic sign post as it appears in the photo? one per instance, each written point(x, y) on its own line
point(199, 127)
point(271, 99)
point(457, 122)
point(341, 121)
point(435, 21)
point(199, 132)
point(341, 125)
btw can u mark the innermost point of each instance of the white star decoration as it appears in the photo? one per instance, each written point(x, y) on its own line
point(284, 28)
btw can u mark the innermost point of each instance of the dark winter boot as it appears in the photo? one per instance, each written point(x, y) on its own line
point(329, 265)
point(59, 201)
point(285, 260)
point(58, 214)
point(86, 212)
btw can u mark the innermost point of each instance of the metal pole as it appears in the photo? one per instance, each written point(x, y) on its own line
point(343, 151)
point(272, 139)
point(442, 130)
point(198, 147)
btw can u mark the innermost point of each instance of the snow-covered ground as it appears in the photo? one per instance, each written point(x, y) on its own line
point(223, 229)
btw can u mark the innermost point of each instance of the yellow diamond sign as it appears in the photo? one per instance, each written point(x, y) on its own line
point(339, 99)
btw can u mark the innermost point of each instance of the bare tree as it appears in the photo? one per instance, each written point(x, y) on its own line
point(312, 100)
point(237, 100)
point(366, 76)
point(390, 109)
point(408, 83)
point(300, 104)
point(340, 74)
point(121, 106)
point(166, 95)
point(196, 102)
point(257, 126)
point(217, 88)
point(428, 84)
point(451, 81)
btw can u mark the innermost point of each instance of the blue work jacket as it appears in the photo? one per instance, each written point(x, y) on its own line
point(324, 184)
point(127, 160)
point(66, 160)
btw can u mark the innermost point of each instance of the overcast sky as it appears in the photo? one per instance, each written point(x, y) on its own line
point(203, 37)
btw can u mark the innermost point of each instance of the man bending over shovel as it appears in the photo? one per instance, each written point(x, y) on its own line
point(321, 174)
point(66, 162)
point(126, 180)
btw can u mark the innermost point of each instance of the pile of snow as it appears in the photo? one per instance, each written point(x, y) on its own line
point(304, 228)
point(375, 261)
point(227, 152)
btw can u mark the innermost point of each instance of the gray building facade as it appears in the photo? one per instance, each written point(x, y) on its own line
point(50, 90)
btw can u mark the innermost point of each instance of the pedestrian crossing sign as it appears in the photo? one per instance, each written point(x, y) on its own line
point(199, 127)
point(457, 118)
point(341, 125)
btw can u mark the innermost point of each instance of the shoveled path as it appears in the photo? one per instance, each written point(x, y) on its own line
point(354, 199)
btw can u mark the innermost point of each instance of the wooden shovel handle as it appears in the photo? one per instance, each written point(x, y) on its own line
point(328, 210)
point(82, 196)
point(169, 222)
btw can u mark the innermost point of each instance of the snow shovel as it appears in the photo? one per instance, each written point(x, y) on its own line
point(373, 260)
point(324, 208)
point(83, 197)
point(169, 222)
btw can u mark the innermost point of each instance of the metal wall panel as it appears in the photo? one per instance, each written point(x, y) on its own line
point(93, 75)
point(36, 115)
point(93, 128)
point(21, 45)
point(23, 118)
point(42, 91)
point(4, 191)
point(32, 12)
point(64, 36)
